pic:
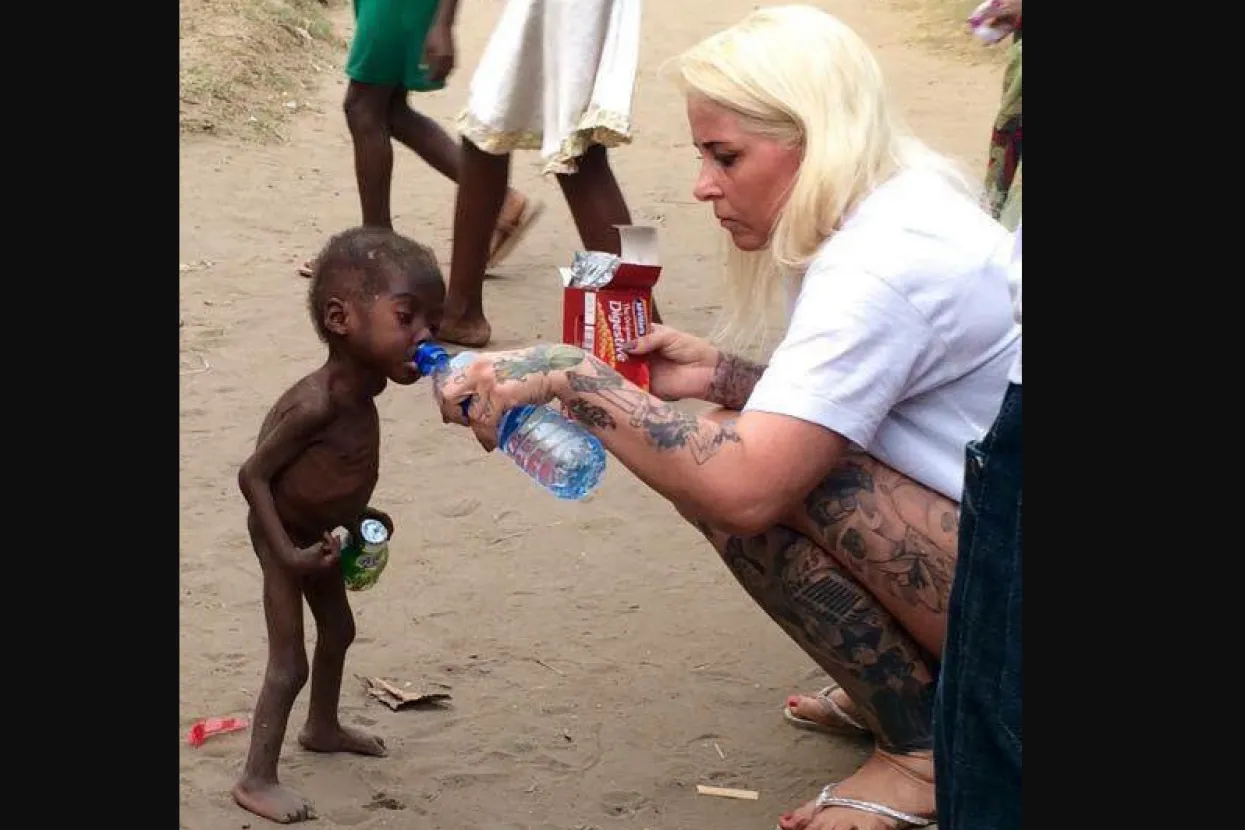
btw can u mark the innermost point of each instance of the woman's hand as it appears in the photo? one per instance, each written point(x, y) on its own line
point(680, 365)
point(497, 381)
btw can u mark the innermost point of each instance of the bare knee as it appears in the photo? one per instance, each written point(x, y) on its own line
point(287, 672)
point(399, 108)
point(366, 111)
point(337, 633)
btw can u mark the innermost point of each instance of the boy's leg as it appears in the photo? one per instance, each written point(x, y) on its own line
point(482, 187)
point(597, 204)
point(258, 790)
point(326, 594)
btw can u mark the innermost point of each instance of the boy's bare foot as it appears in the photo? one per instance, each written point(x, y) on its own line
point(272, 801)
point(340, 739)
point(472, 332)
point(901, 782)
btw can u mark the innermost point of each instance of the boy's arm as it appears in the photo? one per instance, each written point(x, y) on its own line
point(279, 447)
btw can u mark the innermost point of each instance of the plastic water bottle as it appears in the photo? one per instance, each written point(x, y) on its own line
point(561, 455)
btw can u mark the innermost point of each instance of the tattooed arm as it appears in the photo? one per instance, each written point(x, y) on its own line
point(733, 380)
point(743, 476)
point(684, 366)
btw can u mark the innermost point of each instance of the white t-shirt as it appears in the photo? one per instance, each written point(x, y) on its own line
point(901, 336)
point(1013, 284)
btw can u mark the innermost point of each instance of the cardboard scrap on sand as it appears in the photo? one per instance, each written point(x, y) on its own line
point(396, 698)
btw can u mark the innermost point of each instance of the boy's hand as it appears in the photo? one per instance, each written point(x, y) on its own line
point(319, 557)
point(380, 516)
point(439, 52)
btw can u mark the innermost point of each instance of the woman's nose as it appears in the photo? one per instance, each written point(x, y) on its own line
point(705, 188)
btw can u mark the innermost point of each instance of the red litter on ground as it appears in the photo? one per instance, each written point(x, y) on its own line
point(208, 727)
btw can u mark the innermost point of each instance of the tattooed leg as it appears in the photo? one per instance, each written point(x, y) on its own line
point(855, 640)
point(839, 624)
point(896, 537)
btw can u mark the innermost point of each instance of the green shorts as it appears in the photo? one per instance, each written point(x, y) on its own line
point(388, 44)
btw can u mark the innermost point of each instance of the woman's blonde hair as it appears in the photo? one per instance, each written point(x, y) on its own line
point(798, 75)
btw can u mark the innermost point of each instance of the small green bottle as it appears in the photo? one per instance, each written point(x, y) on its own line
point(364, 555)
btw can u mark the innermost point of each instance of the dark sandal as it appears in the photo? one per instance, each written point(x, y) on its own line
point(509, 234)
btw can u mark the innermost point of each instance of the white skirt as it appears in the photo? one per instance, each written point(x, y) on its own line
point(556, 76)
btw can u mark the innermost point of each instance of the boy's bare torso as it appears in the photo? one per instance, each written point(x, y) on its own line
point(330, 483)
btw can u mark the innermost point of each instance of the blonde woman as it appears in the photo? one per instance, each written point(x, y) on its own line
point(829, 480)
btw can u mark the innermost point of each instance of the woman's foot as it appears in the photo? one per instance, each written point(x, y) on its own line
point(272, 801)
point(340, 738)
point(900, 782)
point(830, 710)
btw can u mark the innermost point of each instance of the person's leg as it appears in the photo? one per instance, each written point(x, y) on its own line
point(851, 577)
point(597, 204)
point(855, 640)
point(326, 594)
point(977, 716)
point(596, 201)
point(482, 186)
point(899, 539)
point(376, 67)
point(423, 136)
point(434, 145)
point(258, 789)
point(367, 115)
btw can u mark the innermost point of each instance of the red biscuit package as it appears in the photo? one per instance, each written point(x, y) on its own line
point(608, 300)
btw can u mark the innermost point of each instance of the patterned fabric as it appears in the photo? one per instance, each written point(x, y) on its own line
point(1003, 169)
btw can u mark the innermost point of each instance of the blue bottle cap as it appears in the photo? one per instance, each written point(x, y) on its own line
point(429, 357)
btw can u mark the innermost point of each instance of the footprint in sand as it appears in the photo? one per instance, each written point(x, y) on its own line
point(620, 803)
point(380, 801)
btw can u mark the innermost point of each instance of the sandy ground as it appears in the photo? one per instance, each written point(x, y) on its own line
point(602, 661)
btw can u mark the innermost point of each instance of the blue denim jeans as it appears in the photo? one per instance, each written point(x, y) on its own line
point(977, 737)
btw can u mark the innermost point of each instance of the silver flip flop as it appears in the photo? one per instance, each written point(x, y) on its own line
point(849, 724)
point(827, 798)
